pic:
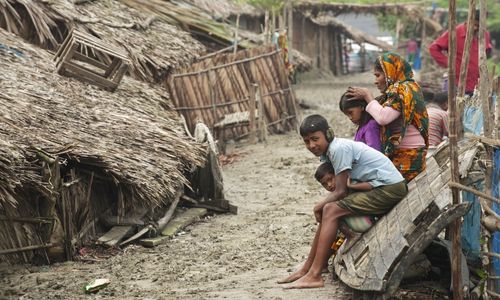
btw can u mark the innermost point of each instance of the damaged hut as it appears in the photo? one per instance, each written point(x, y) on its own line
point(71, 152)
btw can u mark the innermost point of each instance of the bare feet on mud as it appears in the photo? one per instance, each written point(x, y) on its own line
point(307, 282)
point(292, 277)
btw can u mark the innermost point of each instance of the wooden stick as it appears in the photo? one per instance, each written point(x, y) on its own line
point(491, 254)
point(236, 33)
point(225, 65)
point(467, 46)
point(36, 220)
point(168, 215)
point(464, 66)
point(495, 295)
point(484, 91)
point(215, 53)
point(290, 28)
point(23, 249)
point(456, 225)
point(483, 68)
point(253, 91)
point(473, 191)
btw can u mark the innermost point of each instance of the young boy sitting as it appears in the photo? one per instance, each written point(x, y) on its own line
point(353, 224)
point(362, 164)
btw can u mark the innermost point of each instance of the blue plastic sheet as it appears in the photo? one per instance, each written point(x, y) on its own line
point(471, 228)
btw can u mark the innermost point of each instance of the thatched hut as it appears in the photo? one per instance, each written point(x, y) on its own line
point(318, 32)
point(72, 152)
point(155, 45)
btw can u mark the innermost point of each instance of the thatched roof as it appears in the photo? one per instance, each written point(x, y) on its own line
point(225, 8)
point(132, 136)
point(154, 45)
point(197, 21)
point(351, 32)
point(410, 10)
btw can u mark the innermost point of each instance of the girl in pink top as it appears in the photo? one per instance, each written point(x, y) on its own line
point(368, 130)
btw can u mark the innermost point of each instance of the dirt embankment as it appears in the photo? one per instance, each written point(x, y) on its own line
point(223, 256)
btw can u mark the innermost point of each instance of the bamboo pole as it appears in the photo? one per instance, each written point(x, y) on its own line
point(266, 27)
point(456, 225)
point(467, 46)
point(484, 140)
point(497, 93)
point(236, 33)
point(487, 126)
point(251, 113)
point(290, 29)
point(483, 69)
point(473, 191)
point(464, 66)
point(423, 45)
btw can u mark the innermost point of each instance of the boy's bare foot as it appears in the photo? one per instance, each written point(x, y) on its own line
point(292, 277)
point(307, 282)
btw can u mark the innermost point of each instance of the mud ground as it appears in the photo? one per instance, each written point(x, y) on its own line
point(221, 256)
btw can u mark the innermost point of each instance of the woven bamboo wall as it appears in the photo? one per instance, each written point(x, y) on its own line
point(220, 85)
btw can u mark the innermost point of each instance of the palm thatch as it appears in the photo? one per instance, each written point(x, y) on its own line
point(410, 10)
point(116, 150)
point(215, 35)
point(154, 46)
point(353, 33)
point(225, 8)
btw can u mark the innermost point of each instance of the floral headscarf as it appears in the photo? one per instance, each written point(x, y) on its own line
point(402, 94)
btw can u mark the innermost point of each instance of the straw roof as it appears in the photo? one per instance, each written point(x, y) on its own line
point(225, 8)
point(411, 10)
point(132, 135)
point(154, 45)
point(353, 33)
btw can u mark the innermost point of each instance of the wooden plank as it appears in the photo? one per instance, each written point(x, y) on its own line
point(115, 235)
point(78, 56)
point(113, 67)
point(179, 222)
point(89, 76)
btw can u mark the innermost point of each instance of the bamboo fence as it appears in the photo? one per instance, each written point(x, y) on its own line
point(220, 85)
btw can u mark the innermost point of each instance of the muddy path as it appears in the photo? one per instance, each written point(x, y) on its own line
point(222, 256)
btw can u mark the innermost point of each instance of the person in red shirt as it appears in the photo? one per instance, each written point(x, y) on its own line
point(440, 45)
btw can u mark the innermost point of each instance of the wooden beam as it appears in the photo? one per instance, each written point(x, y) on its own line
point(175, 226)
point(484, 140)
